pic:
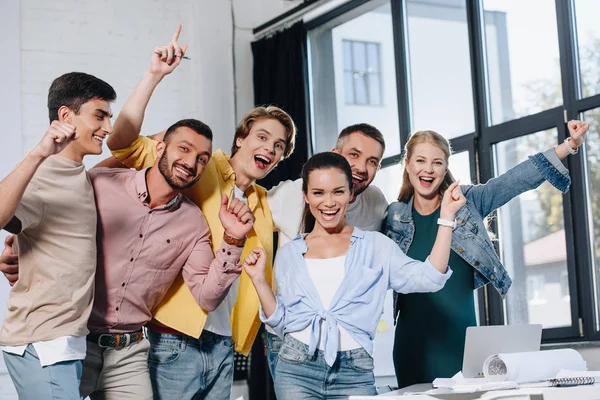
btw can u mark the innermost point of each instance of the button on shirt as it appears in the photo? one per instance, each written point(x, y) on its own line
point(141, 250)
point(373, 264)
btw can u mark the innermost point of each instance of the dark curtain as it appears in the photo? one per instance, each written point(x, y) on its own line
point(280, 78)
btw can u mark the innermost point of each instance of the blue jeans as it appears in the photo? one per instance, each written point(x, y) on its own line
point(183, 367)
point(32, 381)
point(300, 375)
point(273, 346)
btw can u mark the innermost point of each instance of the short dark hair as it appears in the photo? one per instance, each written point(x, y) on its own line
point(75, 89)
point(365, 129)
point(326, 160)
point(197, 126)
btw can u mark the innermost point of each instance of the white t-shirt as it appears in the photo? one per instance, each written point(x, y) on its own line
point(327, 275)
point(219, 320)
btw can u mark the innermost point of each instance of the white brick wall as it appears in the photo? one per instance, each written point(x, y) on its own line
point(113, 39)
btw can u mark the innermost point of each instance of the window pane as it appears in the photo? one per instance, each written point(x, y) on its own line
point(522, 57)
point(333, 106)
point(359, 57)
point(592, 157)
point(460, 167)
point(374, 92)
point(373, 57)
point(439, 67)
point(532, 242)
point(588, 38)
point(347, 50)
point(389, 179)
point(360, 88)
point(349, 87)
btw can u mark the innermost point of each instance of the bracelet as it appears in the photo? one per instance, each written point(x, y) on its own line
point(234, 241)
point(445, 222)
point(572, 151)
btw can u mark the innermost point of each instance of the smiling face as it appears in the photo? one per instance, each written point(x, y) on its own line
point(328, 195)
point(260, 151)
point(426, 169)
point(92, 124)
point(183, 157)
point(364, 156)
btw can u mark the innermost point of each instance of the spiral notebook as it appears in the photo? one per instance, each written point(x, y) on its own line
point(576, 381)
point(566, 378)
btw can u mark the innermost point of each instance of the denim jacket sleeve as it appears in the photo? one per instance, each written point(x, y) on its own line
point(411, 276)
point(523, 177)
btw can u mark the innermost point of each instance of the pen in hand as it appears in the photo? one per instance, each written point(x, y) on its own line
point(184, 57)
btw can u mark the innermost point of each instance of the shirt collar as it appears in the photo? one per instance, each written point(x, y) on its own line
point(226, 170)
point(223, 165)
point(303, 247)
point(141, 190)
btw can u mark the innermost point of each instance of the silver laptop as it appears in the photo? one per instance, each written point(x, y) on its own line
point(484, 341)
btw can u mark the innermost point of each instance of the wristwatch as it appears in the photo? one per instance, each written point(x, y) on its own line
point(445, 222)
point(572, 151)
point(234, 241)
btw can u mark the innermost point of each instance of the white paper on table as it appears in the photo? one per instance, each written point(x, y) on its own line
point(567, 373)
point(532, 366)
point(459, 384)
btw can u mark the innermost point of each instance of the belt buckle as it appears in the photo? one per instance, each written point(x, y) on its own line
point(100, 340)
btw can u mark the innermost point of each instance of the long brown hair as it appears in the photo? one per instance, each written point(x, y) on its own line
point(407, 190)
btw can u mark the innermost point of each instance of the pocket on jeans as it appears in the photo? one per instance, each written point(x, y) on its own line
point(163, 354)
point(227, 342)
point(291, 355)
point(361, 363)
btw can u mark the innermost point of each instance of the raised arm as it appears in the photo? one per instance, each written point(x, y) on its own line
point(529, 174)
point(255, 265)
point(209, 278)
point(408, 275)
point(129, 122)
point(12, 188)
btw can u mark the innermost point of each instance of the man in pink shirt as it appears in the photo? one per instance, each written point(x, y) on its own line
point(148, 232)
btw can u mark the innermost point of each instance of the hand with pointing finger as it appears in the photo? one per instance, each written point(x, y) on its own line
point(166, 58)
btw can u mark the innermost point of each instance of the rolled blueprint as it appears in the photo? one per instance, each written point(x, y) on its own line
point(532, 366)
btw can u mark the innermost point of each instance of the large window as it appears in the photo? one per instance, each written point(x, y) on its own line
point(500, 79)
point(439, 70)
point(522, 57)
point(532, 239)
point(352, 75)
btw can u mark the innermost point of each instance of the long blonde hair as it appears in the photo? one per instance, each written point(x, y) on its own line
point(407, 190)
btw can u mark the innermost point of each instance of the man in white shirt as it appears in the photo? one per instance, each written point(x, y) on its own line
point(363, 146)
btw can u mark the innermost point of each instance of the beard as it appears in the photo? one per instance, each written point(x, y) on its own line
point(167, 173)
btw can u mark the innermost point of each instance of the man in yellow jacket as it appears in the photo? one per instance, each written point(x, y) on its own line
point(191, 350)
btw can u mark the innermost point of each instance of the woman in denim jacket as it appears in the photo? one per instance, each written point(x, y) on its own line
point(331, 284)
point(430, 329)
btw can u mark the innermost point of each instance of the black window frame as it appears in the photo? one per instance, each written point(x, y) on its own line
point(480, 144)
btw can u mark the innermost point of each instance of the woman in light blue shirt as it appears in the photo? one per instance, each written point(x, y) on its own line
point(328, 320)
